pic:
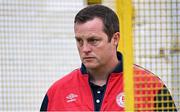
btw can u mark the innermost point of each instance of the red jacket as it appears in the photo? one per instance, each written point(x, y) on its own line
point(73, 92)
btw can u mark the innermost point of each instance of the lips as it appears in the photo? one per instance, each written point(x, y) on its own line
point(88, 58)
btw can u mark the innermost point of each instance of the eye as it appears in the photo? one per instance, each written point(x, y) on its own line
point(93, 41)
point(79, 41)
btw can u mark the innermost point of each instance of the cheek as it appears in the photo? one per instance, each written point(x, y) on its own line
point(103, 52)
point(106, 52)
point(79, 51)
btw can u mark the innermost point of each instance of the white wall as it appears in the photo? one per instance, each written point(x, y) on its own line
point(37, 47)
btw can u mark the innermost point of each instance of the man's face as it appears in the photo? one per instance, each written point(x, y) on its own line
point(92, 42)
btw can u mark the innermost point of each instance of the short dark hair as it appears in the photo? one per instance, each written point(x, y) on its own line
point(107, 15)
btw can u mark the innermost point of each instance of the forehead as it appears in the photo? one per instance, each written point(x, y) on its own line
point(94, 26)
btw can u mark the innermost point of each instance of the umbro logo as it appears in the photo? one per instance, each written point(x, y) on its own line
point(71, 97)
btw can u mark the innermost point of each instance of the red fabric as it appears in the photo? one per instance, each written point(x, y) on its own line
point(146, 87)
point(74, 93)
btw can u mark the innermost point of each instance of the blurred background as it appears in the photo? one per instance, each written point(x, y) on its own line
point(37, 46)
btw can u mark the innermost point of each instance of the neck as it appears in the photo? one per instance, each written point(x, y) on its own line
point(99, 76)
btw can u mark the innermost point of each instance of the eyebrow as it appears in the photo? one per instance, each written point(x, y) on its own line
point(90, 37)
point(77, 37)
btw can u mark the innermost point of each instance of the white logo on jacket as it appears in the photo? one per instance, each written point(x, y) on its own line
point(71, 97)
point(120, 99)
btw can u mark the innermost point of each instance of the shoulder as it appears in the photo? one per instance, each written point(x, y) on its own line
point(65, 81)
point(68, 77)
point(142, 74)
point(146, 80)
point(138, 70)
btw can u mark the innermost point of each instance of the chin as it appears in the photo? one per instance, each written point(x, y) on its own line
point(90, 66)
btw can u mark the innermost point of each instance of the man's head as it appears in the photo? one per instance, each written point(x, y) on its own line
point(97, 35)
point(108, 16)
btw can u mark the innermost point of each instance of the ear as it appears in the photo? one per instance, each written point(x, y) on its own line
point(116, 38)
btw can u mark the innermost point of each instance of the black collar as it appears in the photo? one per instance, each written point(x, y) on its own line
point(118, 68)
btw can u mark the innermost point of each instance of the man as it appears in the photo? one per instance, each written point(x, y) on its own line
point(98, 84)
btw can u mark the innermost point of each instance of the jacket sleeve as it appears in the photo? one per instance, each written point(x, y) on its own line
point(44, 104)
point(164, 101)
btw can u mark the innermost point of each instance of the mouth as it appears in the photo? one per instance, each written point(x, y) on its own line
point(88, 58)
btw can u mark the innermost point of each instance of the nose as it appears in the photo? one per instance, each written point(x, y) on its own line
point(86, 48)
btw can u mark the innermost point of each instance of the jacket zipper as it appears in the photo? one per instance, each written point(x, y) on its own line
point(92, 95)
point(105, 91)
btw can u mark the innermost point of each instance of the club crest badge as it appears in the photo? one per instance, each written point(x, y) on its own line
point(120, 99)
